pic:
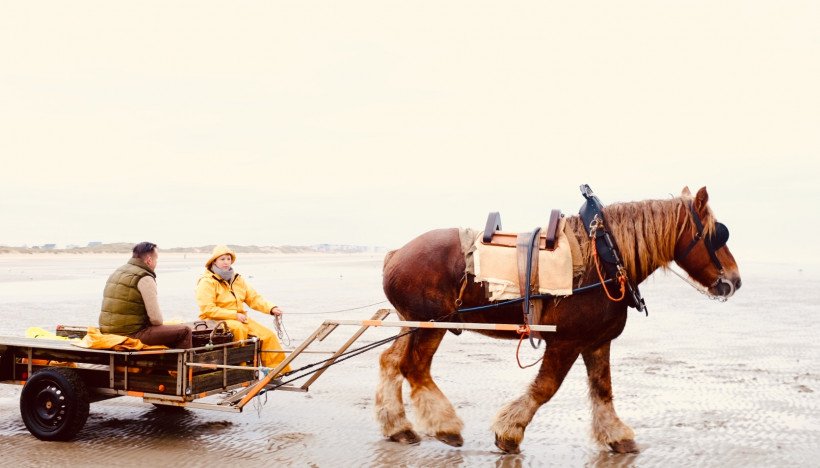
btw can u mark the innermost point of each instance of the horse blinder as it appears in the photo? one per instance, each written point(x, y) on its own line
point(720, 237)
point(714, 242)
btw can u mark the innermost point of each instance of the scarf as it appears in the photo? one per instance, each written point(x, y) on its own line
point(227, 275)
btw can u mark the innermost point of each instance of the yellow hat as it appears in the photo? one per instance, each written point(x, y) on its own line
point(219, 251)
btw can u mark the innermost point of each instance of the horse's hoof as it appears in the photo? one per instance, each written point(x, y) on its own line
point(507, 445)
point(624, 446)
point(454, 440)
point(407, 437)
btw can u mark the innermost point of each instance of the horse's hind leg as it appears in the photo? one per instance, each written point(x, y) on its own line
point(389, 404)
point(512, 420)
point(607, 428)
point(436, 414)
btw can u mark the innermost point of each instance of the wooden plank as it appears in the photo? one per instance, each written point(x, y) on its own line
point(68, 356)
point(509, 239)
point(38, 343)
point(162, 362)
point(447, 325)
point(244, 396)
point(235, 355)
point(214, 380)
point(63, 345)
point(151, 383)
point(213, 367)
point(379, 315)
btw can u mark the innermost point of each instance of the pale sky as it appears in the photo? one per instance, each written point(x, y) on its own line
point(370, 122)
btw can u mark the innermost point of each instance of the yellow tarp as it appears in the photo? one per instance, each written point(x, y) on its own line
point(96, 340)
point(37, 332)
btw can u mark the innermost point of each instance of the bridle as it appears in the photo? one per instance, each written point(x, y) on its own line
point(713, 242)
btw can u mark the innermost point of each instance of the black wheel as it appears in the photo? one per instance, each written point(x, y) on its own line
point(54, 404)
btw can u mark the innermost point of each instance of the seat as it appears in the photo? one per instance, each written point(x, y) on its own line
point(493, 235)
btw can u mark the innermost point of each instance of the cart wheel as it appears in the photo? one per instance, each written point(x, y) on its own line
point(54, 404)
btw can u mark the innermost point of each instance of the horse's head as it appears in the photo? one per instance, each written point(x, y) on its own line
point(701, 248)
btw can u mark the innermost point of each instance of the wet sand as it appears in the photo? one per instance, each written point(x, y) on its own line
point(701, 383)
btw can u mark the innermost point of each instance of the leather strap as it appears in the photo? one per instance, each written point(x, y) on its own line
point(605, 244)
point(527, 257)
point(524, 254)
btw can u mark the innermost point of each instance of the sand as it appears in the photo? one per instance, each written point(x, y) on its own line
point(701, 382)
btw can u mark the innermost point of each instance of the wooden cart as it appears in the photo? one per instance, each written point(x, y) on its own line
point(60, 379)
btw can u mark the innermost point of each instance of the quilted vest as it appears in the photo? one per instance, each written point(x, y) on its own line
point(123, 310)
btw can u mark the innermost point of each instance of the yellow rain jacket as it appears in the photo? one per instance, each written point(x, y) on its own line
point(220, 300)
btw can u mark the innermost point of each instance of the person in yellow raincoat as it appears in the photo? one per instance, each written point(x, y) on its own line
point(221, 294)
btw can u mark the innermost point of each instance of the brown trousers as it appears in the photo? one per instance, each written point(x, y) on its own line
point(172, 336)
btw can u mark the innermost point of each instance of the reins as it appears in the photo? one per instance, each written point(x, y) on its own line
point(523, 330)
point(519, 300)
point(340, 358)
point(698, 287)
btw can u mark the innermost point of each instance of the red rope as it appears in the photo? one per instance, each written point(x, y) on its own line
point(621, 278)
point(524, 331)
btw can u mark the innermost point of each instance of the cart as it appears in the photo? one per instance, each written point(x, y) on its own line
point(60, 380)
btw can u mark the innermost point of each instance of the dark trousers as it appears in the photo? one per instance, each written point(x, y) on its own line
point(172, 336)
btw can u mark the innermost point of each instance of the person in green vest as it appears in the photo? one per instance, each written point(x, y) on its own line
point(130, 306)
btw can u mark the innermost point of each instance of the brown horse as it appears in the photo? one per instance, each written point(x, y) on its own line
point(423, 280)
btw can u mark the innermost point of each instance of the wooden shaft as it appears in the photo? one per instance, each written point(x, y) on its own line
point(457, 325)
point(380, 314)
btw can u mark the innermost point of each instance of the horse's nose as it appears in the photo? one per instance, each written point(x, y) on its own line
point(737, 283)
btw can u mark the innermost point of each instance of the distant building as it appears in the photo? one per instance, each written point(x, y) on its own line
point(94, 243)
point(341, 248)
point(48, 246)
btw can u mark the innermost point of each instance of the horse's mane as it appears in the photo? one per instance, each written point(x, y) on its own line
point(646, 232)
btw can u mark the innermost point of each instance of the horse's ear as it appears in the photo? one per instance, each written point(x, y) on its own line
point(701, 199)
point(685, 192)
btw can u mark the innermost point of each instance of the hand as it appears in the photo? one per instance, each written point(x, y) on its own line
point(276, 311)
point(242, 317)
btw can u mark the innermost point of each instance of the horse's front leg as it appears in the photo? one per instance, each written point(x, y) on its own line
point(512, 420)
point(607, 428)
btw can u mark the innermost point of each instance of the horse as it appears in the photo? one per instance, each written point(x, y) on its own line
point(424, 278)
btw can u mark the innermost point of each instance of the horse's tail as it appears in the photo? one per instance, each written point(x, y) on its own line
point(386, 279)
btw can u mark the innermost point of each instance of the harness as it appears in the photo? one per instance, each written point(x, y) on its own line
point(606, 252)
point(608, 263)
point(712, 242)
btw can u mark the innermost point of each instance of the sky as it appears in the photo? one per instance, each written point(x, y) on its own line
point(370, 122)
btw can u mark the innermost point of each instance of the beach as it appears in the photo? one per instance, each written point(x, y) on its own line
point(701, 382)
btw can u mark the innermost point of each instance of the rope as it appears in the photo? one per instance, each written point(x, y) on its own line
point(340, 358)
point(597, 224)
point(534, 296)
point(281, 332)
point(337, 311)
point(524, 330)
